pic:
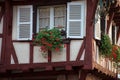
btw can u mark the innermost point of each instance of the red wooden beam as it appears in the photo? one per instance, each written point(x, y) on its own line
point(2, 61)
point(30, 75)
point(49, 56)
point(1, 35)
point(118, 34)
point(91, 7)
point(2, 12)
point(68, 52)
point(31, 53)
point(117, 24)
point(8, 25)
point(40, 65)
point(7, 34)
point(40, 2)
point(68, 67)
point(83, 75)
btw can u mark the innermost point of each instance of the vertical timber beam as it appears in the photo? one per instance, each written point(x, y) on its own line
point(7, 34)
point(2, 12)
point(68, 67)
point(83, 75)
point(91, 8)
point(118, 34)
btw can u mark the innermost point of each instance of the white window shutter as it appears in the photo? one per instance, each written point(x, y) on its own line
point(97, 31)
point(25, 22)
point(75, 19)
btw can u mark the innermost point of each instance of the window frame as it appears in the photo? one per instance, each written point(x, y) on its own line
point(52, 16)
point(30, 22)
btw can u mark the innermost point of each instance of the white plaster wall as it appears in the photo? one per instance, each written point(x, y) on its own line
point(22, 51)
point(59, 56)
point(83, 55)
point(74, 49)
point(39, 57)
point(0, 46)
point(110, 32)
point(12, 60)
point(118, 42)
point(1, 26)
point(14, 32)
point(96, 53)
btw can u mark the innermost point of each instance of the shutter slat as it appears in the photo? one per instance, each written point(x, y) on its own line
point(74, 29)
point(24, 30)
point(24, 14)
point(25, 22)
point(75, 11)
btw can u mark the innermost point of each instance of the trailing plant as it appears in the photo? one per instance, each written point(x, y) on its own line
point(49, 39)
point(105, 45)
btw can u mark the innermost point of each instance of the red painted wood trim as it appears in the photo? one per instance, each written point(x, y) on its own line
point(81, 50)
point(49, 56)
point(93, 5)
point(22, 41)
point(2, 13)
point(41, 65)
point(38, 74)
point(49, 68)
point(7, 34)
point(68, 67)
point(118, 34)
point(68, 52)
point(109, 21)
point(83, 75)
point(34, 19)
point(31, 53)
point(2, 61)
point(40, 2)
point(8, 14)
point(1, 35)
point(89, 33)
point(14, 55)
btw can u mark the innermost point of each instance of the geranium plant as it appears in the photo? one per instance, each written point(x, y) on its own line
point(116, 53)
point(49, 39)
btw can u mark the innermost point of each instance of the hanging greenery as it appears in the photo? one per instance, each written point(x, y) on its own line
point(49, 39)
point(105, 46)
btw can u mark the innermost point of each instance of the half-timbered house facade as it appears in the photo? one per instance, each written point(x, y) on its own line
point(82, 23)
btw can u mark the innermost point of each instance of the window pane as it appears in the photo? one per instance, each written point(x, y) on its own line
point(44, 17)
point(59, 16)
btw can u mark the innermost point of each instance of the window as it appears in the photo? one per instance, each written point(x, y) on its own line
point(70, 17)
point(51, 16)
point(24, 22)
